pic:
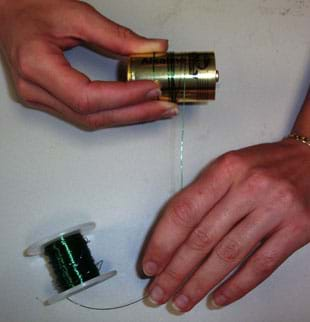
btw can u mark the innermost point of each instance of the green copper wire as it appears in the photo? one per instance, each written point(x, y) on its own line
point(171, 75)
point(182, 133)
point(71, 261)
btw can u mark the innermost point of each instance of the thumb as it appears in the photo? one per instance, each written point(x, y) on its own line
point(96, 29)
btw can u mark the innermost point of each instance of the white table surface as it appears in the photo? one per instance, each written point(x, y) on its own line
point(53, 175)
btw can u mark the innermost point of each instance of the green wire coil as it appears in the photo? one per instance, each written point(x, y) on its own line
point(71, 261)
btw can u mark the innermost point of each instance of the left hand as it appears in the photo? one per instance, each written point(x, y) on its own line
point(255, 201)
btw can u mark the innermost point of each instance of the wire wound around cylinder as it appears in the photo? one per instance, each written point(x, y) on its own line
point(71, 261)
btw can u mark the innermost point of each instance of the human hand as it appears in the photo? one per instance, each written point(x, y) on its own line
point(253, 202)
point(33, 36)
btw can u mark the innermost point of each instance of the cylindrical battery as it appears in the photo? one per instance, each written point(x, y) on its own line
point(183, 77)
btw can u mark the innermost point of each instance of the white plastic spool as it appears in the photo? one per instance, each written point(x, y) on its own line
point(39, 247)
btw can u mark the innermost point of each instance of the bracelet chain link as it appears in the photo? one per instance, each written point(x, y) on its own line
point(300, 138)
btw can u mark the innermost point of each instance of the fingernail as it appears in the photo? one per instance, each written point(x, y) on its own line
point(152, 45)
point(158, 42)
point(171, 113)
point(172, 110)
point(220, 302)
point(150, 268)
point(180, 303)
point(153, 94)
point(156, 295)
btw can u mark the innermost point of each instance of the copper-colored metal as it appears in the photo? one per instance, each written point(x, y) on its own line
point(183, 77)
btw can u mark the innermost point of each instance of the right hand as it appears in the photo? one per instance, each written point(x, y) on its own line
point(33, 36)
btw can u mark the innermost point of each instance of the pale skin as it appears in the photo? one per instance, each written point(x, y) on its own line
point(254, 202)
point(33, 35)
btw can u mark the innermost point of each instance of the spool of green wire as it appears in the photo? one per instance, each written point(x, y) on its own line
point(71, 261)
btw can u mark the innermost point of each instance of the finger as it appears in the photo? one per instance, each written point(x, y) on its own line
point(144, 112)
point(45, 108)
point(74, 89)
point(241, 200)
point(35, 96)
point(219, 221)
point(260, 265)
point(182, 214)
point(226, 256)
point(97, 29)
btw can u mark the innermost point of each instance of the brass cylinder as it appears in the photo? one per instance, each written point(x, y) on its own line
point(183, 77)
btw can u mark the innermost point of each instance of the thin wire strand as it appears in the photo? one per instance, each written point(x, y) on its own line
point(182, 133)
point(182, 143)
point(107, 308)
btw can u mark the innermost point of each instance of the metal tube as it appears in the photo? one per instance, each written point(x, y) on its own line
point(183, 77)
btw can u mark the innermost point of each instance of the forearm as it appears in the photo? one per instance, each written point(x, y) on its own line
point(302, 124)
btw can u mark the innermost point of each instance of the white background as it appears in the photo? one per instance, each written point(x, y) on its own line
point(53, 175)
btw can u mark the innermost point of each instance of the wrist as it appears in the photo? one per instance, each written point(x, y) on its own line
point(303, 131)
point(300, 138)
point(293, 143)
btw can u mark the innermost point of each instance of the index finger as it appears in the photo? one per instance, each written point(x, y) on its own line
point(182, 214)
point(47, 67)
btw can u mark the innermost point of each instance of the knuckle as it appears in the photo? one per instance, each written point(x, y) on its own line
point(23, 64)
point(232, 162)
point(287, 194)
point(259, 180)
point(21, 89)
point(80, 15)
point(182, 213)
point(90, 123)
point(86, 6)
point(264, 265)
point(229, 250)
point(172, 274)
point(123, 32)
point(82, 104)
point(197, 289)
point(156, 250)
point(200, 240)
point(233, 292)
point(23, 92)
point(27, 57)
point(283, 192)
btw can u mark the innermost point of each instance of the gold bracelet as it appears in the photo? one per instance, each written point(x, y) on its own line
point(300, 138)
